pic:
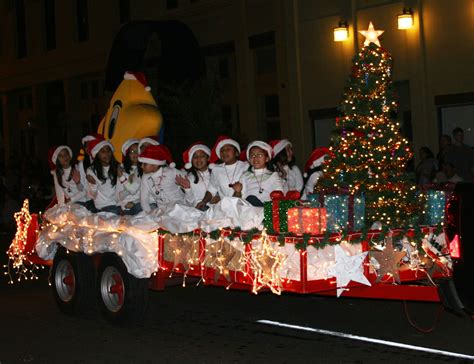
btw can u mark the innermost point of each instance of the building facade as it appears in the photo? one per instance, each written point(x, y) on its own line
point(276, 67)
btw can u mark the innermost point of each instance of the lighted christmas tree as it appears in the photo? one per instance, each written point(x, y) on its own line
point(369, 155)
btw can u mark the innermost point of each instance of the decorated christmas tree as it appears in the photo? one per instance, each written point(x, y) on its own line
point(369, 155)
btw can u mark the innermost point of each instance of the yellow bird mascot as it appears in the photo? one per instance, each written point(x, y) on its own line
point(132, 113)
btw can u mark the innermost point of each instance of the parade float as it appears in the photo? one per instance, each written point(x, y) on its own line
point(367, 231)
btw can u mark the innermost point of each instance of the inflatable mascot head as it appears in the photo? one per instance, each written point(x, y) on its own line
point(132, 113)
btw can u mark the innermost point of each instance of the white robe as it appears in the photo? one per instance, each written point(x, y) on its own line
point(128, 187)
point(223, 175)
point(260, 183)
point(72, 191)
point(196, 192)
point(160, 188)
point(103, 193)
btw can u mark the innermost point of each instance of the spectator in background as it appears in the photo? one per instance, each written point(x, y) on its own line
point(426, 169)
point(461, 156)
point(444, 144)
point(447, 174)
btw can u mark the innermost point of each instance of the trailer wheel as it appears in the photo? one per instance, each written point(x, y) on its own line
point(123, 298)
point(73, 282)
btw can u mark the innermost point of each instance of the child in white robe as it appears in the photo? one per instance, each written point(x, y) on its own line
point(258, 182)
point(102, 176)
point(313, 170)
point(158, 186)
point(225, 174)
point(196, 182)
point(129, 173)
point(284, 164)
point(69, 185)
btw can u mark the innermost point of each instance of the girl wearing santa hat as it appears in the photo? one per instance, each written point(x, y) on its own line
point(258, 181)
point(84, 163)
point(158, 185)
point(196, 182)
point(68, 184)
point(227, 173)
point(313, 169)
point(129, 173)
point(284, 163)
point(102, 176)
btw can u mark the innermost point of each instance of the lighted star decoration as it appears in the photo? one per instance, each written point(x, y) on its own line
point(181, 249)
point(347, 268)
point(224, 258)
point(371, 35)
point(389, 260)
point(266, 263)
point(19, 264)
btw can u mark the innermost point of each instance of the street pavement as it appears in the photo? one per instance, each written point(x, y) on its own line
point(198, 324)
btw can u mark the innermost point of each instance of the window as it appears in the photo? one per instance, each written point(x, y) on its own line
point(272, 106)
point(50, 23)
point(171, 4)
point(82, 20)
point(124, 8)
point(95, 89)
point(265, 60)
point(223, 68)
point(84, 91)
point(20, 29)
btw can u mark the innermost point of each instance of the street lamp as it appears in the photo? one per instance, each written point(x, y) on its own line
point(341, 33)
point(405, 20)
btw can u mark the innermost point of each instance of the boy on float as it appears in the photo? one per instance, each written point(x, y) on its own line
point(68, 184)
point(283, 163)
point(102, 176)
point(129, 174)
point(196, 182)
point(313, 170)
point(227, 173)
point(158, 185)
point(258, 182)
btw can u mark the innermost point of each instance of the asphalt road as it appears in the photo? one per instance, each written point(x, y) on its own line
point(200, 324)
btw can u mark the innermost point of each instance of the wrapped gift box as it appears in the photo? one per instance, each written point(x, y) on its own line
point(307, 220)
point(344, 211)
point(276, 214)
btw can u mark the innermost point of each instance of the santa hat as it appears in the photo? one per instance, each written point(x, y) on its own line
point(138, 76)
point(220, 142)
point(94, 146)
point(188, 154)
point(153, 140)
point(258, 143)
point(126, 146)
point(53, 155)
point(315, 159)
point(158, 155)
point(279, 145)
point(90, 137)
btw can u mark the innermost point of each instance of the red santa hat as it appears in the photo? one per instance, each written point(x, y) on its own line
point(279, 145)
point(220, 142)
point(53, 154)
point(90, 137)
point(316, 159)
point(139, 76)
point(158, 155)
point(258, 143)
point(188, 154)
point(127, 144)
point(152, 140)
point(94, 146)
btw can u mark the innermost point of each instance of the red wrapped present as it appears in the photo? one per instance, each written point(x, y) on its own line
point(307, 220)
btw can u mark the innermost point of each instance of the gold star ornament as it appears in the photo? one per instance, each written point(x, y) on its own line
point(389, 260)
point(371, 35)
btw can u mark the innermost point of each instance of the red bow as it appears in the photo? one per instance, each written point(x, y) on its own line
point(290, 195)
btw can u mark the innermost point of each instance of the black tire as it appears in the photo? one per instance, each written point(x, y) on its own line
point(73, 282)
point(123, 298)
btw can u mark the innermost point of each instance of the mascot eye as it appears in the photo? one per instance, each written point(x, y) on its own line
point(113, 120)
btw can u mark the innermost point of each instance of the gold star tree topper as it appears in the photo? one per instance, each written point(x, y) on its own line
point(371, 35)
